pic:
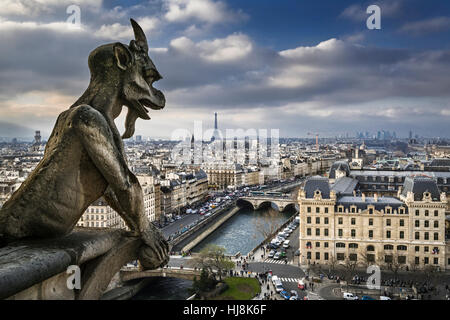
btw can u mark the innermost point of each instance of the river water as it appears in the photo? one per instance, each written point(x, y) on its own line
point(238, 234)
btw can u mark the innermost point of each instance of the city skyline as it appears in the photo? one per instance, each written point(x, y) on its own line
point(324, 73)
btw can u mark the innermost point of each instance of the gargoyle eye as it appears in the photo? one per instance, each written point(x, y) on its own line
point(151, 73)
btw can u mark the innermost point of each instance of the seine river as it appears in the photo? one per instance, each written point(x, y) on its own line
point(238, 234)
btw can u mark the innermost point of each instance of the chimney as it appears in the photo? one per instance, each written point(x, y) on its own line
point(375, 197)
point(363, 197)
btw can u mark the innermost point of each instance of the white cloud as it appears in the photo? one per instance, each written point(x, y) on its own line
point(120, 31)
point(437, 24)
point(208, 11)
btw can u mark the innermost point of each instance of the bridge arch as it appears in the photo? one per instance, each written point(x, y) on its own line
point(291, 206)
point(267, 204)
point(242, 203)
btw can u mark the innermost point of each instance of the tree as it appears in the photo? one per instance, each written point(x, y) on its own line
point(265, 225)
point(349, 267)
point(332, 263)
point(212, 258)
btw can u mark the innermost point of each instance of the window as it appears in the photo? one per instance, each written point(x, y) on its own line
point(317, 209)
point(308, 219)
point(417, 248)
point(388, 258)
point(370, 233)
point(353, 245)
point(353, 209)
point(308, 255)
point(317, 244)
point(416, 260)
point(417, 212)
point(388, 234)
point(353, 257)
point(326, 232)
point(370, 222)
point(326, 209)
point(340, 221)
point(402, 234)
point(427, 213)
point(370, 248)
point(426, 224)
point(388, 222)
point(317, 220)
point(388, 247)
point(402, 248)
point(436, 213)
point(340, 245)
point(317, 255)
point(426, 260)
point(325, 256)
point(340, 232)
point(401, 259)
point(436, 236)
point(436, 260)
point(370, 211)
point(388, 210)
point(426, 236)
point(417, 236)
point(417, 223)
point(426, 249)
point(317, 232)
point(370, 257)
point(353, 232)
point(325, 244)
point(340, 256)
point(436, 224)
point(309, 209)
point(308, 231)
point(402, 222)
point(353, 221)
point(326, 221)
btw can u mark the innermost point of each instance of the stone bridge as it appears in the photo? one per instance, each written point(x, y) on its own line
point(187, 274)
point(278, 203)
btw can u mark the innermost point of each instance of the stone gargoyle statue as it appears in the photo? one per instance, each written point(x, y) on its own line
point(84, 157)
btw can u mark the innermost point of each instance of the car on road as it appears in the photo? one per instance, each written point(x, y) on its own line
point(278, 286)
point(277, 256)
point(286, 244)
point(272, 253)
point(385, 298)
point(367, 298)
point(301, 284)
point(284, 294)
point(349, 296)
point(294, 295)
point(283, 254)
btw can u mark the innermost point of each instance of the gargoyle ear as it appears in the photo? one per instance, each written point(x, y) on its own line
point(124, 58)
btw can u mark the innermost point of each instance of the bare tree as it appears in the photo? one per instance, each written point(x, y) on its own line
point(266, 224)
point(212, 258)
point(332, 263)
point(349, 266)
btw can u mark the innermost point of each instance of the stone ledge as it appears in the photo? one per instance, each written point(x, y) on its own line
point(27, 263)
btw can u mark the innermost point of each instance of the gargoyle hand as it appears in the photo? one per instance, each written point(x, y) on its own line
point(155, 251)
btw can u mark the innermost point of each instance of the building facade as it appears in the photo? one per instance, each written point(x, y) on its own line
point(407, 231)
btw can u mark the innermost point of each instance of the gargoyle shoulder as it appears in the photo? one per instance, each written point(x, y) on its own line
point(85, 116)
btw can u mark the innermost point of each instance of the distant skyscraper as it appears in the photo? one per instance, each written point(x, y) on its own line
point(37, 137)
point(410, 134)
point(139, 138)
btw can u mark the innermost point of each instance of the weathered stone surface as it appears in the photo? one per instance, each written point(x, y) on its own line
point(84, 160)
point(24, 264)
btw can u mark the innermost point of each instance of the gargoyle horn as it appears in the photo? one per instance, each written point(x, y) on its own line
point(139, 35)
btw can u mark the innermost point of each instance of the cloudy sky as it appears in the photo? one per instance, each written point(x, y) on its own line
point(300, 66)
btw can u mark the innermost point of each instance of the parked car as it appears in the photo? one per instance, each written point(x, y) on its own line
point(277, 256)
point(367, 298)
point(349, 296)
point(297, 252)
point(301, 284)
point(385, 298)
point(285, 294)
point(272, 253)
point(286, 244)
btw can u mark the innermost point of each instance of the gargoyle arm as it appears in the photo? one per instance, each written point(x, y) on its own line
point(124, 192)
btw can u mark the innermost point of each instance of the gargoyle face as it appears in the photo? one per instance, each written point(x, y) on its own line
point(138, 75)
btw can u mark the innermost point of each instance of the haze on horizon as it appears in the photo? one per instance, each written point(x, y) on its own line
point(296, 66)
